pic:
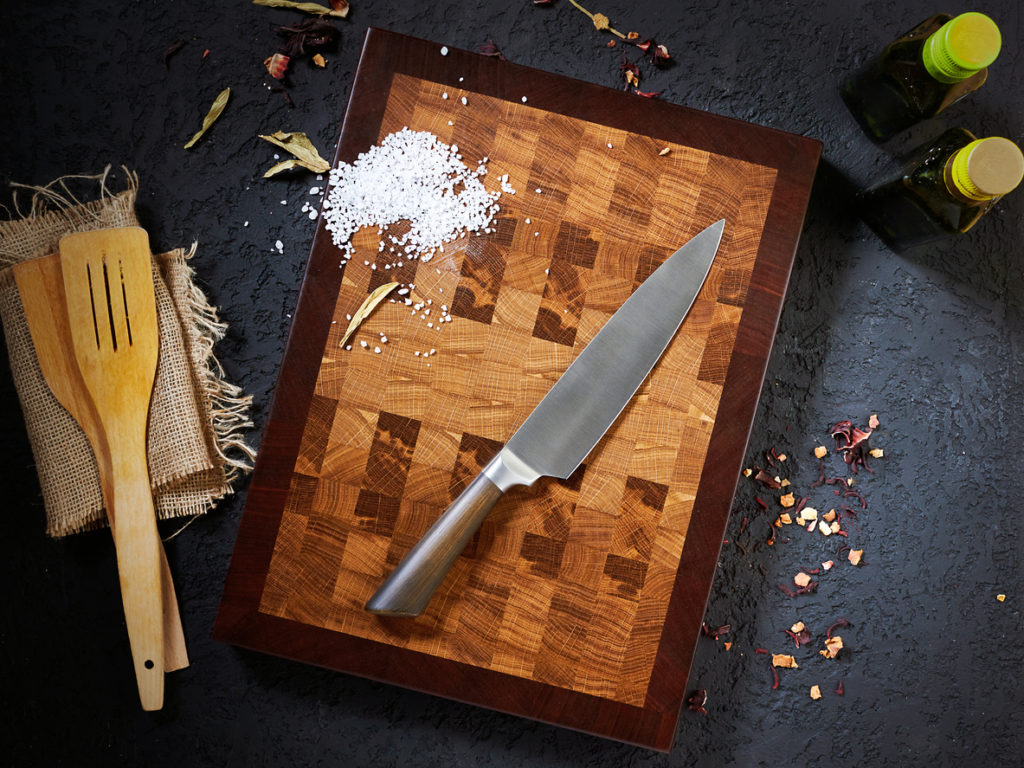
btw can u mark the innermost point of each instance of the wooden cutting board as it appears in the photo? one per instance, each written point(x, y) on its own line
point(580, 601)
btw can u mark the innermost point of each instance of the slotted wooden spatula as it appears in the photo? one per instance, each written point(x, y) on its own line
point(41, 290)
point(108, 287)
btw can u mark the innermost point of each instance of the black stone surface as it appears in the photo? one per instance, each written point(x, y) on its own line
point(931, 341)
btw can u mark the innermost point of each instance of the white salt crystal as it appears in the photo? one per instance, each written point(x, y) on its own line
point(538, 190)
point(313, 214)
point(524, 99)
point(444, 95)
point(284, 202)
point(279, 245)
point(464, 102)
point(410, 176)
point(314, 190)
point(527, 220)
point(461, 79)
point(377, 350)
point(246, 224)
point(362, 344)
point(444, 50)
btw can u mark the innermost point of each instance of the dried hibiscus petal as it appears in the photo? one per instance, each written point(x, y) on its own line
point(838, 623)
point(649, 94)
point(767, 480)
point(307, 36)
point(709, 632)
point(172, 49)
point(490, 49)
point(697, 700)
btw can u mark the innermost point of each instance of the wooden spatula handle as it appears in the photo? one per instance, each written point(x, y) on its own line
point(139, 569)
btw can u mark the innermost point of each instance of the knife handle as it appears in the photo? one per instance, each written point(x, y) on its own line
point(410, 586)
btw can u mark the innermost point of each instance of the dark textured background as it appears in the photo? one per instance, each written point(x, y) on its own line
point(931, 341)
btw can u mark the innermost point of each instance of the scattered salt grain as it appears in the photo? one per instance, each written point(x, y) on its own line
point(314, 190)
point(537, 190)
point(524, 99)
point(527, 221)
point(280, 246)
point(246, 224)
point(464, 102)
point(362, 344)
point(284, 202)
point(444, 50)
point(410, 176)
point(444, 95)
point(376, 350)
point(609, 146)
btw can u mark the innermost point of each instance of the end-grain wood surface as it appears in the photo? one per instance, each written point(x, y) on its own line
point(579, 601)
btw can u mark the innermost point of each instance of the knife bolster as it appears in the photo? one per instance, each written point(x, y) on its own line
point(506, 470)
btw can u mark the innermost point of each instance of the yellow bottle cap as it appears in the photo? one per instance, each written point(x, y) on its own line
point(962, 46)
point(986, 168)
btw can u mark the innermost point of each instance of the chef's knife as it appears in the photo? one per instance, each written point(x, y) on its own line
point(566, 425)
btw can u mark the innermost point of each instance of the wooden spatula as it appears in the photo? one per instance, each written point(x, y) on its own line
point(41, 289)
point(108, 289)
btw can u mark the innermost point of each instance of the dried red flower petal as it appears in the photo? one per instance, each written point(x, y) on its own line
point(839, 688)
point(490, 49)
point(284, 92)
point(649, 94)
point(771, 666)
point(838, 623)
point(722, 630)
point(172, 49)
point(277, 65)
point(767, 479)
point(658, 53)
point(697, 700)
point(630, 72)
point(307, 36)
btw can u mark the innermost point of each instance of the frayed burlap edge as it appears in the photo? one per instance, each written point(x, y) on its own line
point(222, 406)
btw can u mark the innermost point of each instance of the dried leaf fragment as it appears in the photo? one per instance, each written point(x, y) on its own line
point(298, 145)
point(369, 304)
point(601, 22)
point(784, 661)
point(815, 692)
point(215, 111)
point(339, 8)
point(854, 556)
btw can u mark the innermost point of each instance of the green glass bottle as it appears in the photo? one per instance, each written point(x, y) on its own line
point(929, 68)
point(947, 186)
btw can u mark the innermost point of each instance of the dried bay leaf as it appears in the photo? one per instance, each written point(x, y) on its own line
point(215, 111)
point(369, 304)
point(338, 9)
point(298, 145)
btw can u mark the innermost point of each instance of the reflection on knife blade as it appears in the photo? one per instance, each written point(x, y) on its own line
point(567, 423)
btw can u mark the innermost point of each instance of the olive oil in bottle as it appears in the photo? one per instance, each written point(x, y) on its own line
point(929, 68)
point(944, 190)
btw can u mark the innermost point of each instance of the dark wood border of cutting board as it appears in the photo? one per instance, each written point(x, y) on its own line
point(239, 620)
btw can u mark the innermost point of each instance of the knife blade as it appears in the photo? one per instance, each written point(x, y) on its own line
point(567, 423)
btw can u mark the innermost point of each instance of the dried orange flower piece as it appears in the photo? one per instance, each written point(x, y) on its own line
point(787, 500)
point(781, 457)
point(785, 519)
point(664, 152)
point(877, 453)
point(873, 422)
point(727, 645)
point(797, 628)
point(802, 579)
point(854, 556)
point(824, 528)
point(784, 660)
point(829, 516)
point(827, 565)
point(815, 692)
point(319, 60)
point(1001, 598)
point(833, 646)
point(820, 452)
point(746, 472)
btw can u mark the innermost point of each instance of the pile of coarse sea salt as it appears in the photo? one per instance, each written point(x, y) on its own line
point(410, 176)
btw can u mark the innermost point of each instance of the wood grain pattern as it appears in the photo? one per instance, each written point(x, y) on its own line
point(570, 586)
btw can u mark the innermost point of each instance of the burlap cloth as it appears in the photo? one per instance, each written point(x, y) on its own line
point(196, 449)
